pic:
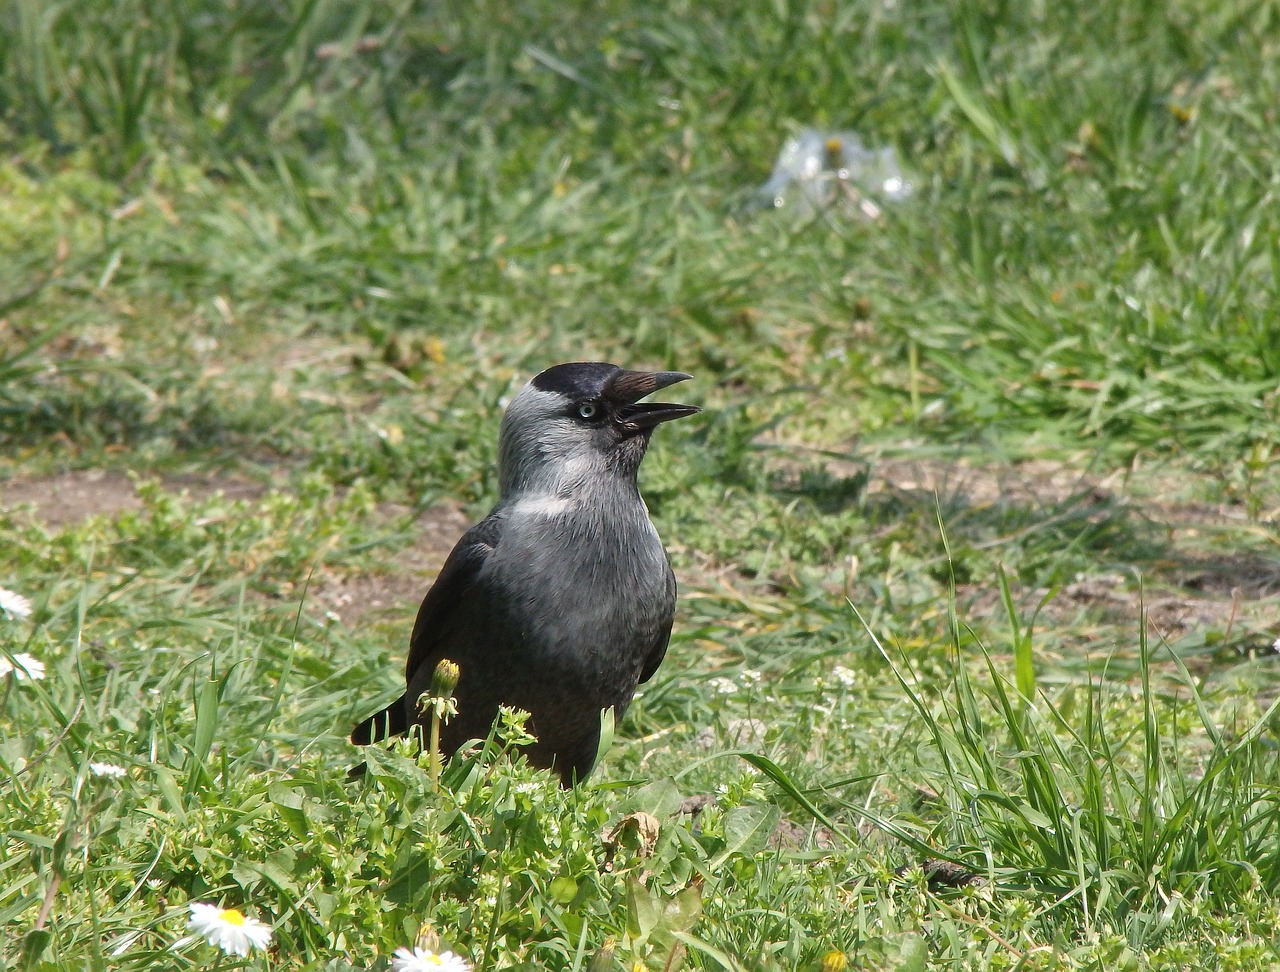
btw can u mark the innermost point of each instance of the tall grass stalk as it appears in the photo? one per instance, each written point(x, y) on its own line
point(1116, 823)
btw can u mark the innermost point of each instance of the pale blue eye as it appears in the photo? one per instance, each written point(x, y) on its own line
point(587, 410)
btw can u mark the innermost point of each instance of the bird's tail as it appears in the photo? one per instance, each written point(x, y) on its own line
point(389, 722)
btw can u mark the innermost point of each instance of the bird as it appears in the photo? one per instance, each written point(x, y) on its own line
point(561, 601)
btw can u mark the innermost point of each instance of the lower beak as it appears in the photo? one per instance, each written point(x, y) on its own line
point(647, 415)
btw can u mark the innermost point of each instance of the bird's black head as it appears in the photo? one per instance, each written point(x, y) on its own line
point(576, 379)
point(580, 415)
point(605, 395)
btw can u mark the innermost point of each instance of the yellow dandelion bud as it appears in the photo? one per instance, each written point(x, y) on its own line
point(445, 679)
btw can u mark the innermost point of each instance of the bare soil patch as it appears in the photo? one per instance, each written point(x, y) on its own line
point(71, 497)
point(1162, 496)
point(398, 589)
point(68, 498)
point(1195, 589)
point(1115, 600)
point(1202, 583)
point(1036, 483)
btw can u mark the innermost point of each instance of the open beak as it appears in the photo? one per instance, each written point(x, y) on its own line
point(635, 416)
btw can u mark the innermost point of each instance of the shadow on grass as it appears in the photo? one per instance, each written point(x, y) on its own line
point(1030, 522)
point(1083, 559)
point(1253, 575)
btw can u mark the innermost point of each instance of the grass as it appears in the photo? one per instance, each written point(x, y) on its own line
point(976, 535)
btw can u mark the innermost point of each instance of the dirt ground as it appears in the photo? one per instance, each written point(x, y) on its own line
point(1196, 589)
point(62, 500)
point(396, 593)
point(71, 497)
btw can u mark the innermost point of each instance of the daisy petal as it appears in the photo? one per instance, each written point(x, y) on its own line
point(14, 604)
point(228, 929)
point(425, 960)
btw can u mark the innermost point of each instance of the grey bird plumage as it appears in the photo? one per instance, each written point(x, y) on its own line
point(561, 600)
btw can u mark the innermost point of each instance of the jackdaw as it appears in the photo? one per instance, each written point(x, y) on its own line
point(560, 601)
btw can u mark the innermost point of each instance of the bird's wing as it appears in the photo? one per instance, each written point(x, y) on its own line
point(659, 649)
point(656, 654)
point(459, 572)
point(456, 576)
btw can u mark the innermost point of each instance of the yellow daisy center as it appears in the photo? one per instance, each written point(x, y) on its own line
point(232, 917)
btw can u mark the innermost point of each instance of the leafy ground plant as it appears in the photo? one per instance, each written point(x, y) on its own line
point(268, 276)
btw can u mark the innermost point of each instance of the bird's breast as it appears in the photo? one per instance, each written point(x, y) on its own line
point(585, 589)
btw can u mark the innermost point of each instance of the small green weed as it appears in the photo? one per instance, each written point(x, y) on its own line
point(316, 246)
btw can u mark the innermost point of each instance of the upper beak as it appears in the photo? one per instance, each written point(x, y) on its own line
point(634, 416)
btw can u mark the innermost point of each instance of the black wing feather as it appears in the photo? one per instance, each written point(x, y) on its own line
point(656, 654)
point(458, 573)
point(659, 649)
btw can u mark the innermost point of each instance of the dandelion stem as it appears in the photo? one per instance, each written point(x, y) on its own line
point(443, 683)
point(433, 767)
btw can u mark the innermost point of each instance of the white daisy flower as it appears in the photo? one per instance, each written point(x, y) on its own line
point(723, 686)
point(751, 677)
point(845, 676)
point(107, 769)
point(22, 666)
point(425, 960)
point(229, 929)
point(14, 604)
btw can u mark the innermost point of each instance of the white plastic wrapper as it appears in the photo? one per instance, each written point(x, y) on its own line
point(821, 170)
